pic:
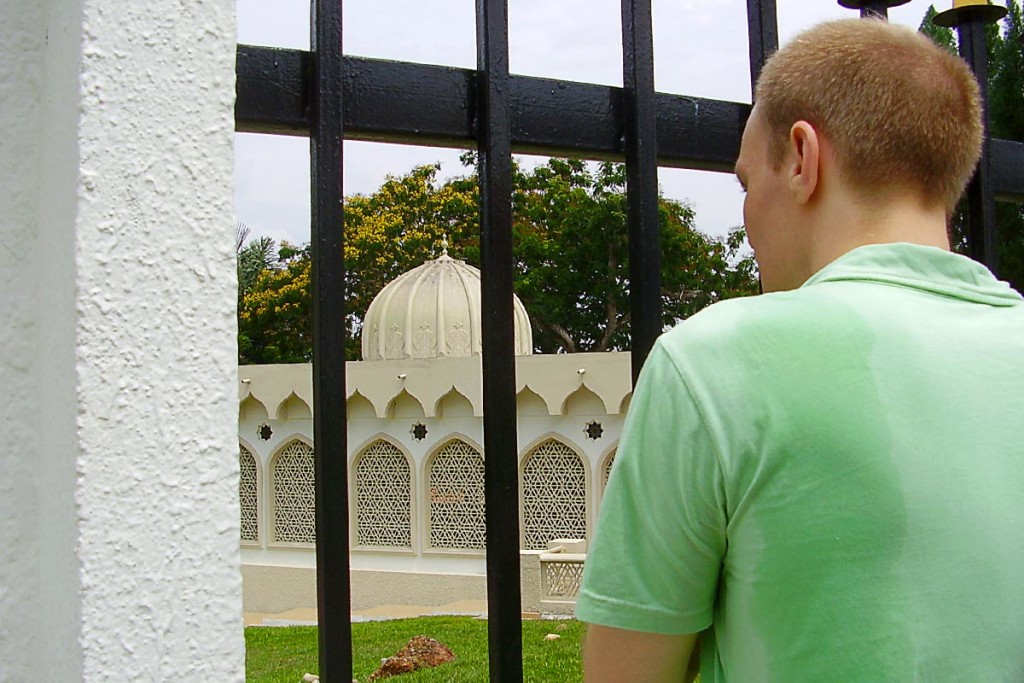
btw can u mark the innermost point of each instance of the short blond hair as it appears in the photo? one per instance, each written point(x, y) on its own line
point(899, 111)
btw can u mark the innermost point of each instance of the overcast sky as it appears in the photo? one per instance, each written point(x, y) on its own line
point(700, 49)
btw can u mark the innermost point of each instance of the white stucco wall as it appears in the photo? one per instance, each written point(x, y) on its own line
point(281, 577)
point(118, 477)
point(38, 576)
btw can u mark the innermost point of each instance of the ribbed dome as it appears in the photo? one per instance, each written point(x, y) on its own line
point(433, 311)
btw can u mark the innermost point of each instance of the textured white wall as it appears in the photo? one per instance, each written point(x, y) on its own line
point(118, 479)
point(39, 586)
point(21, 53)
point(156, 357)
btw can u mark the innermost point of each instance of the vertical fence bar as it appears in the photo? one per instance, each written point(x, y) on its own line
point(879, 10)
point(501, 464)
point(640, 128)
point(981, 199)
point(328, 284)
point(763, 36)
point(872, 9)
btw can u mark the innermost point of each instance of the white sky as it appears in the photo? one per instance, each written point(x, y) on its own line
point(700, 50)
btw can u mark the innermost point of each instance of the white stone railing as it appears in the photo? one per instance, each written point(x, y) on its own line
point(560, 575)
point(551, 577)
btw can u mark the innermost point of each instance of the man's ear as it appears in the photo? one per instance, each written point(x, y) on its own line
point(804, 161)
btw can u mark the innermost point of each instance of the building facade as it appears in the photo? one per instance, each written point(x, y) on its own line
point(416, 463)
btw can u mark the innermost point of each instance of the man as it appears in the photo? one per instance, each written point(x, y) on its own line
point(826, 482)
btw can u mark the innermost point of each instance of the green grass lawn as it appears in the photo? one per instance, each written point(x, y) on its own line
point(283, 654)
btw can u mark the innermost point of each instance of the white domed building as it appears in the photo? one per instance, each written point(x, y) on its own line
point(433, 311)
point(415, 456)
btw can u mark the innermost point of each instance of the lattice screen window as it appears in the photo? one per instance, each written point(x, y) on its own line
point(294, 495)
point(248, 495)
point(456, 488)
point(607, 471)
point(554, 495)
point(383, 494)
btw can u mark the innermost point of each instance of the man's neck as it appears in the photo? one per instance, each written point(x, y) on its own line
point(898, 221)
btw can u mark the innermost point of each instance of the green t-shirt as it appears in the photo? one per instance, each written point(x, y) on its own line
point(831, 479)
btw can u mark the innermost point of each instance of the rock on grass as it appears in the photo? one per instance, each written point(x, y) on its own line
point(420, 652)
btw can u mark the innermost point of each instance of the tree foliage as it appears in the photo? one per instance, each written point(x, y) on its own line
point(254, 257)
point(1006, 120)
point(570, 258)
point(940, 35)
point(275, 316)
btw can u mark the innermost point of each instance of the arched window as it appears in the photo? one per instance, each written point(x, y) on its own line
point(554, 495)
point(606, 471)
point(383, 495)
point(248, 495)
point(456, 489)
point(294, 494)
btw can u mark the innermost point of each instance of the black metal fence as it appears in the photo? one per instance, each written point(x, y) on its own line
point(328, 97)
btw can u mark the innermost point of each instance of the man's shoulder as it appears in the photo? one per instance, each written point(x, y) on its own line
point(742, 326)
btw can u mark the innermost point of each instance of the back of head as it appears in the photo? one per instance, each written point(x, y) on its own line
point(900, 112)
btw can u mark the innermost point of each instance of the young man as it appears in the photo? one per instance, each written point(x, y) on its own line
point(826, 482)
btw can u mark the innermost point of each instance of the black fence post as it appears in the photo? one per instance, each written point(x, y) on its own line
point(641, 141)
point(981, 199)
point(970, 22)
point(501, 453)
point(328, 286)
point(873, 8)
point(762, 36)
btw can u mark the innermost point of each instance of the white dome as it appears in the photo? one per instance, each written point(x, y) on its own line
point(433, 311)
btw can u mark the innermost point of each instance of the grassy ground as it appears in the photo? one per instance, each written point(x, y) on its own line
point(283, 654)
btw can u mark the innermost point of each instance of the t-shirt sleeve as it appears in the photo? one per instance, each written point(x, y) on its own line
point(656, 555)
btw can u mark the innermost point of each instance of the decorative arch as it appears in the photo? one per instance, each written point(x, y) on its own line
point(605, 468)
point(294, 408)
point(455, 496)
point(405, 404)
point(293, 490)
point(382, 496)
point(583, 401)
point(530, 403)
point(554, 493)
point(360, 407)
point(453, 404)
point(252, 409)
point(624, 406)
point(248, 495)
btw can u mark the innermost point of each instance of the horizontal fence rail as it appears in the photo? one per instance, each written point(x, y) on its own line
point(435, 106)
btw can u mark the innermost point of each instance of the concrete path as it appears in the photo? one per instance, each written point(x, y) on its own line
point(295, 617)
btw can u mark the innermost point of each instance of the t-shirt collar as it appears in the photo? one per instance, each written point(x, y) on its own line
point(928, 269)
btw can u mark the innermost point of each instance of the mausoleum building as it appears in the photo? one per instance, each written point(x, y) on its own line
point(416, 461)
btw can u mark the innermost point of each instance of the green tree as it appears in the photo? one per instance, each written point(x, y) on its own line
point(254, 258)
point(275, 316)
point(1006, 118)
point(940, 35)
point(570, 258)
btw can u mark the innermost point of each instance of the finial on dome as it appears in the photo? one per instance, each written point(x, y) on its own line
point(444, 244)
